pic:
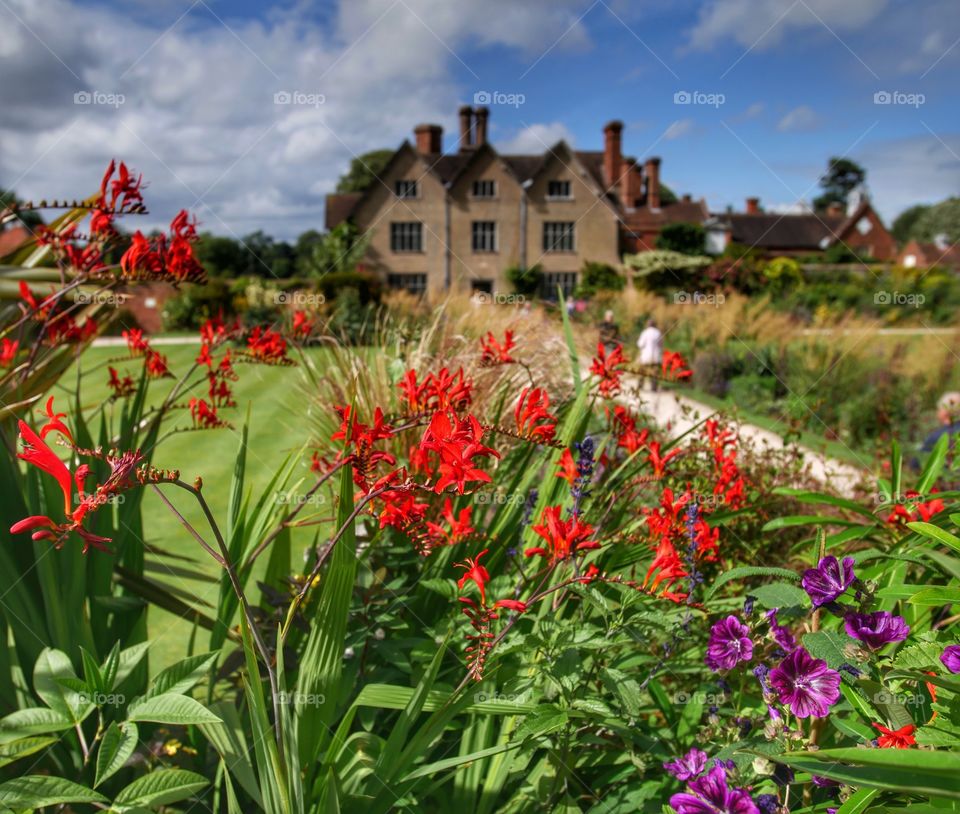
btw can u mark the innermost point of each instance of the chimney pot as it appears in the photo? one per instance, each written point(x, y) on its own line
point(612, 158)
point(429, 138)
point(753, 206)
point(686, 198)
point(652, 170)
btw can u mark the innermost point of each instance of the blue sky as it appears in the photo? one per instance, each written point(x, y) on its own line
point(783, 85)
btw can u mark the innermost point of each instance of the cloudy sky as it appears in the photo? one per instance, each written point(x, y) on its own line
point(739, 97)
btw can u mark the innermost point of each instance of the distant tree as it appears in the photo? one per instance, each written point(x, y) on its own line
point(341, 250)
point(220, 256)
point(940, 220)
point(686, 238)
point(363, 170)
point(841, 177)
point(667, 195)
point(28, 218)
point(304, 249)
point(905, 222)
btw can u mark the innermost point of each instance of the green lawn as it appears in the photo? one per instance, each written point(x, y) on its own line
point(280, 405)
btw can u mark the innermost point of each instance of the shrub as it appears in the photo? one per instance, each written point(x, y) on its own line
point(686, 238)
point(366, 287)
point(712, 370)
point(526, 281)
point(596, 277)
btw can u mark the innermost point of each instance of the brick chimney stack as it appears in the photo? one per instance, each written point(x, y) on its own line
point(753, 206)
point(653, 182)
point(629, 183)
point(481, 114)
point(429, 139)
point(835, 209)
point(612, 158)
point(466, 127)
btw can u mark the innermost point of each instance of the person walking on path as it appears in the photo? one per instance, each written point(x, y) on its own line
point(609, 331)
point(650, 344)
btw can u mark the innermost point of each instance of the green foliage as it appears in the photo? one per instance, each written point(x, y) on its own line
point(364, 170)
point(339, 251)
point(686, 238)
point(525, 281)
point(596, 277)
point(904, 224)
point(939, 220)
point(843, 175)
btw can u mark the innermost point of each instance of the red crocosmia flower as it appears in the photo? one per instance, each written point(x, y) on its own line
point(532, 416)
point(121, 387)
point(609, 369)
point(302, 324)
point(493, 353)
point(400, 509)
point(658, 462)
point(213, 331)
point(157, 365)
point(459, 527)
point(900, 514)
point(37, 452)
point(117, 194)
point(667, 566)
point(511, 604)
point(266, 345)
point(624, 425)
point(930, 508)
point(362, 437)
point(674, 366)
point(419, 461)
point(204, 358)
point(563, 537)
point(450, 391)
point(136, 344)
point(901, 738)
point(590, 574)
point(475, 573)
point(204, 415)
point(568, 467)
point(8, 351)
point(457, 442)
point(54, 423)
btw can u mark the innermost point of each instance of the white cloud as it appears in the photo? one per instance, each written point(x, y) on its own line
point(677, 129)
point(763, 24)
point(198, 117)
point(798, 120)
point(536, 138)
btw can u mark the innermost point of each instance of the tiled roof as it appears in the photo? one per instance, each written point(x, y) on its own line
point(783, 231)
point(340, 207)
point(645, 219)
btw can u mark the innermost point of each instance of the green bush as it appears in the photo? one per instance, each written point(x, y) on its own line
point(526, 281)
point(596, 277)
point(367, 287)
point(686, 238)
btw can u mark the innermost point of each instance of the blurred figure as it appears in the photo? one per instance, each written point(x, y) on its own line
point(948, 414)
point(609, 331)
point(650, 344)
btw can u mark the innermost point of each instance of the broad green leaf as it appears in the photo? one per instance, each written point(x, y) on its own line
point(750, 571)
point(938, 595)
point(37, 791)
point(115, 749)
point(180, 677)
point(14, 750)
point(829, 645)
point(33, 721)
point(171, 709)
point(51, 667)
point(160, 787)
point(779, 595)
point(858, 802)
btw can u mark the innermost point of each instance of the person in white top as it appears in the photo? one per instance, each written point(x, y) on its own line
point(650, 344)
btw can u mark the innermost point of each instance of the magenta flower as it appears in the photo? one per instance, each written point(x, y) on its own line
point(687, 766)
point(950, 658)
point(828, 580)
point(711, 795)
point(781, 635)
point(805, 684)
point(729, 644)
point(876, 629)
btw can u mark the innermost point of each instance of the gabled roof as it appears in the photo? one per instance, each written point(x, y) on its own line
point(645, 219)
point(340, 206)
point(934, 255)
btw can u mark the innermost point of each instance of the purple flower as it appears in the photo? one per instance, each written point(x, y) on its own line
point(805, 684)
point(767, 803)
point(950, 658)
point(729, 644)
point(688, 766)
point(828, 580)
point(876, 629)
point(711, 795)
point(781, 635)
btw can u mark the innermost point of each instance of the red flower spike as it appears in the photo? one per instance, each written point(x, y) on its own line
point(609, 369)
point(475, 573)
point(54, 424)
point(563, 537)
point(658, 462)
point(457, 442)
point(36, 452)
point(121, 387)
point(493, 353)
point(568, 467)
point(458, 530)
point(674, 366)
point(533, 420)
point(8, 351)
point(511, 604)
point(157, 365)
